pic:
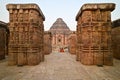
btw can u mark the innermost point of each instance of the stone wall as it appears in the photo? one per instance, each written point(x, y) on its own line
point(116, 38)
point(72, 42)
point(4, 34)
point(94, 34)
point(47, 42)
point(26, 34)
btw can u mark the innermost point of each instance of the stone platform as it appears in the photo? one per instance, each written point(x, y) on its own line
point(60, 66)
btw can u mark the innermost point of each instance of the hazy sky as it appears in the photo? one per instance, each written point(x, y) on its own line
point(53, 9)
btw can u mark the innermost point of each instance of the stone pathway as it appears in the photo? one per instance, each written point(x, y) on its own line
point(60, 66)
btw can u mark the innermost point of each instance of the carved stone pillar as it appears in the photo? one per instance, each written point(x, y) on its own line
point(26, 34)
point(94, 34)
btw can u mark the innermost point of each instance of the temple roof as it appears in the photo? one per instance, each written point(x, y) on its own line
point(59, 24)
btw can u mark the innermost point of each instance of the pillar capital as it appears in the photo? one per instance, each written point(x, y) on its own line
point(24, 7)
point(96, 6)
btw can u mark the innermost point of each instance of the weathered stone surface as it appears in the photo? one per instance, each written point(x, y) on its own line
point(47, 42)
point(116, 38)
point(26, 34)
point(94, 34)
point(4, 35)
point(72, 42)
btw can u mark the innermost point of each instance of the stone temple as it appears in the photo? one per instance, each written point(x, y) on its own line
point(60, 32)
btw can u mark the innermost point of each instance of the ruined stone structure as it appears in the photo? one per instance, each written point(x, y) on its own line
point(47, 42)
point(60, 33)
point(116, 38)
point(4, 35)
point(94, 34)
point(26, 34)
point(72, 42)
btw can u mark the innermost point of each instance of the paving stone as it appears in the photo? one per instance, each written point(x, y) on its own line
point(60, 66)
